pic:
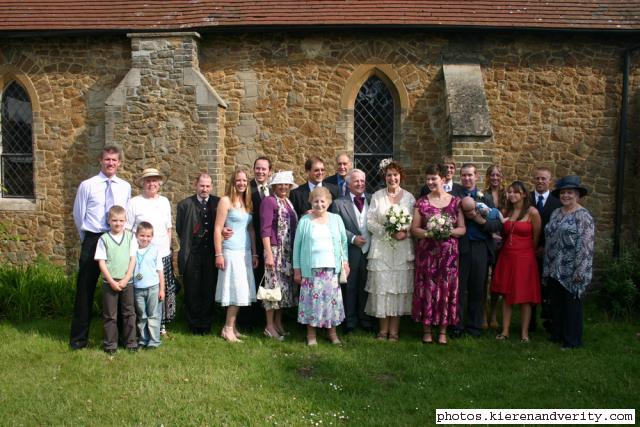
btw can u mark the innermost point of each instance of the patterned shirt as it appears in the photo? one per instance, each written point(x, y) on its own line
point(568, 252)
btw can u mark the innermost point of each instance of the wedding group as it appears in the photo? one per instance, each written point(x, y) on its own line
point(331, 254)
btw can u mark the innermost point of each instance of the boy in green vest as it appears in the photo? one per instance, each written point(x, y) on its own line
point(116, 256)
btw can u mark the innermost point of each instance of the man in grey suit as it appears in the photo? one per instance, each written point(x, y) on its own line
point(353, 210)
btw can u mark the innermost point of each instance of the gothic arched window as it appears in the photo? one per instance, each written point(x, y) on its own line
point(374, 114)
point(16, 143)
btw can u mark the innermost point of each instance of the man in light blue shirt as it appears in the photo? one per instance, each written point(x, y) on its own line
point(94, 198)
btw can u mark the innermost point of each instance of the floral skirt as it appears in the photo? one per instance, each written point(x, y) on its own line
point(321, 299)
point(280, 278)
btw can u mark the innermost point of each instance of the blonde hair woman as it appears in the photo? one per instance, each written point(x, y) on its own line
point(235, 257)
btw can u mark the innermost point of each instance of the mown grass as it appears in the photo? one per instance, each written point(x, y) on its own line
point(194, 380)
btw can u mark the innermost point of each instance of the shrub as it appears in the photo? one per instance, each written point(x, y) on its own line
point(619, 290)
point(39, 290)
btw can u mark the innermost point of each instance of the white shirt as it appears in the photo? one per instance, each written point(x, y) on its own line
point(362, 222)
point(544, 195)
point(101, 250)
point(263, 189)
point(312, 186)
point(157, 212)
point(89, 207)
point(448, 186)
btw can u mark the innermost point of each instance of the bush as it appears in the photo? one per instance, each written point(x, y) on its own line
point(39, 290)
point(619, 290)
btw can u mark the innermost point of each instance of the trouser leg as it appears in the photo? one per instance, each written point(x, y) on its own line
point(556, 293)
point(463, 279)
point(573, 320)
point(141, 301)
point(109, 317)
point(475, 286)
point(88, 273)
point(128, 317)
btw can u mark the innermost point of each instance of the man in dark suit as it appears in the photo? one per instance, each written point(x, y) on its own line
point(546, 203)
point(251, 316)
point(353, 210)
point(195, 218)
point(449, 186)
point(314, 168)
point(343, 166)
point(476, 251)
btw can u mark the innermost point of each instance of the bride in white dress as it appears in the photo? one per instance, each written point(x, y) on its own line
point(390, 267)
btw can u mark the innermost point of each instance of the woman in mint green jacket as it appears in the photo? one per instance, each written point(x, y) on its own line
point(319, 255)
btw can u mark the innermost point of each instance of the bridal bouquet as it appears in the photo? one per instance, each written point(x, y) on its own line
point(439, 226)
point(397, 219)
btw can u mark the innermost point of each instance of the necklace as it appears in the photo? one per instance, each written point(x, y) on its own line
point(393, 196)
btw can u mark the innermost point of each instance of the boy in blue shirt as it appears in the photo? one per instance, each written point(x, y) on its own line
point(148, 282)
point(116, 256)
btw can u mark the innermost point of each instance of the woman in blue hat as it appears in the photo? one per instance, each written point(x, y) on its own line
point(568, 261)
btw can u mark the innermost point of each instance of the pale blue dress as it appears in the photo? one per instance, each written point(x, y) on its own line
point(236, 285)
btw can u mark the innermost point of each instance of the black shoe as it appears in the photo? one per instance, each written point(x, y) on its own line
point(474, 334)
point(77, 345)
point(348, 330)
point(457, 333)
point(367, 327)
point(132, 349)
point(110, 351)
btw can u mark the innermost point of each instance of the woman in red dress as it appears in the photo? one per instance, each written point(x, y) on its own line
point(516, 276)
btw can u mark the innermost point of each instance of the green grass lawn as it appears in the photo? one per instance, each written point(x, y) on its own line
point(205, 381)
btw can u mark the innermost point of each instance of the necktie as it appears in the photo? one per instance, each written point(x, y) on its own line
point(108, 201)
point(359, 201)
point(447, 188)
point(539, 204)
point(343, 189)
point(264, 191)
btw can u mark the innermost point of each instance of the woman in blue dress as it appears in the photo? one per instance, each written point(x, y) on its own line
point(235, 257)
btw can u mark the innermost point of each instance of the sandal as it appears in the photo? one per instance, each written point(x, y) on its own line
point(501, 337)
point(393, 337)
point(382, 336)
point(334, 339)
point(311, 341)
point(442, 338)
point(525, 340)
point(427, 338)
point(228, 335)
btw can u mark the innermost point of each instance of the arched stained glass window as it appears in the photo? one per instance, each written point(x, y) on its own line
point(373, 129)
point(16, 145)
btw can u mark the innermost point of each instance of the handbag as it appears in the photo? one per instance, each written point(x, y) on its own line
point(343, 273)
point(265, 294)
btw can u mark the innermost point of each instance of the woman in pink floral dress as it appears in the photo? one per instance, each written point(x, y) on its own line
point(435, 294)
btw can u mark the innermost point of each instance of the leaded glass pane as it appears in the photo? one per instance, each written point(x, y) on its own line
point(373, 129)
point(17, 142)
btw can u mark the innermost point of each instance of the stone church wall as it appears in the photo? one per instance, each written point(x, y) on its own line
point(553, 99)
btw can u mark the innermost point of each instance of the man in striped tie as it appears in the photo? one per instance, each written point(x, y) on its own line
point(94, 198)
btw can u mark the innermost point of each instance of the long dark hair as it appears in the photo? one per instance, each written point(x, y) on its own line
point(520, 187)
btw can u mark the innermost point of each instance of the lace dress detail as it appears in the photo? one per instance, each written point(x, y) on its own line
point(390, 267)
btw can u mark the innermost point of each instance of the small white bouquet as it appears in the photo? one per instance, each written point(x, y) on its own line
point(439, 227)
point(397, 219)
